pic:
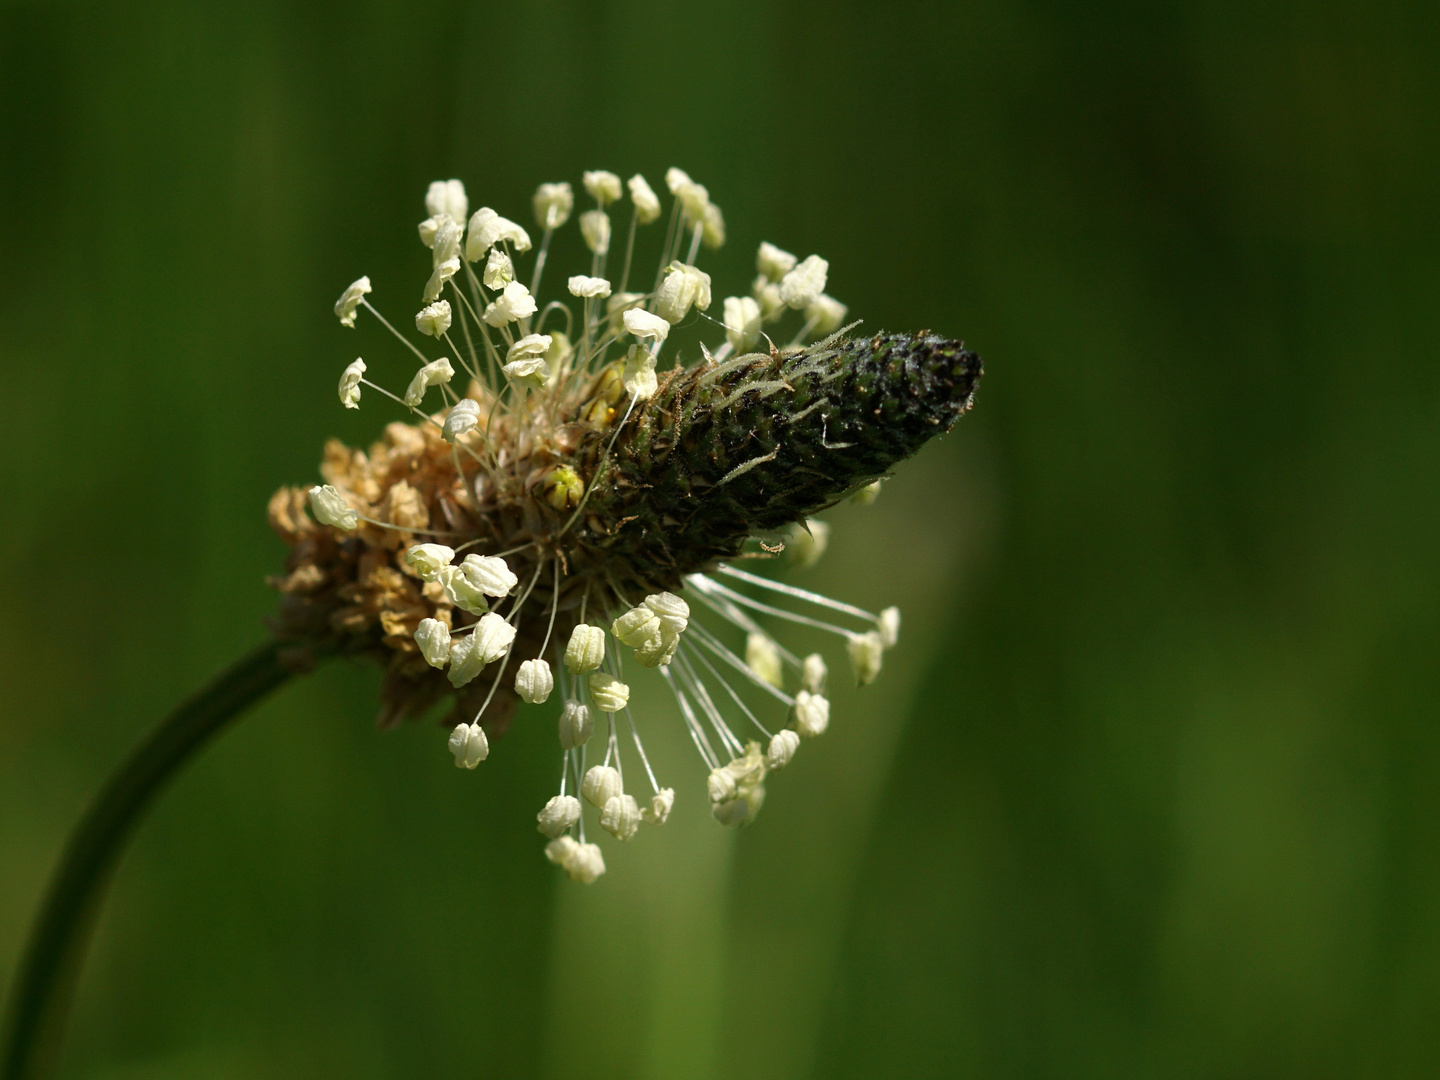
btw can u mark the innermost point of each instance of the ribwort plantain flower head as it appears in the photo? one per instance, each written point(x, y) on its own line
point(571, 497)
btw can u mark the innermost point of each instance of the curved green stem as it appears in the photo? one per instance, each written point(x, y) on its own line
point(45, 981)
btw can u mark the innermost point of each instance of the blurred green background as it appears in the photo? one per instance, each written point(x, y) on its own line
point(1149, 789)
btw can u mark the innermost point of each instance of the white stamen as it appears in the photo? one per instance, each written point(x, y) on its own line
point(499, 270)
point(767, 295)
point(639, 378)
point(867, 652)
point(469, 745)
point(575, 725)
point(534, 682)
point(465, 661)
point(435, 373)
point(595, 229)
point(643, 324)
point(712, 229)
point(427, 560)
point(489, 574)
point(525, 362)
point(658, 812)
point(741, 787)
point(601, 784)
point(583, 862)
point(586, 649)
point(812, 714)
point(429, 227)
point(586, 286)
point(447, 197)
point(673, 612)
point(888, 626)
point(559, 814)
point(464, 417)
point(783, 745)
point(433, 319)
point(609, 693)
point(694, 199)
point(683, 287)
point(462, 592)
point(763, 658)
point(446, 245)
point(806, 542)
point(647, 203)
point(438, 280)
point(330, 508)
point(813, 673)
point(773, 262)
point(825, 315)
point(800, 287)
point(675, 179)
point(487, 228)
point(553, 203)
point(615, 308)
point(350, 380)
point(433, 638)
point(636, 626)
point(493, 636)
point(350, 300)
point(742, 323)
point(620, 817)
point(602, 186)
point(514, 303)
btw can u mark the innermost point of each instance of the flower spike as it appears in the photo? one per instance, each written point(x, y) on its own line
point(569, 521)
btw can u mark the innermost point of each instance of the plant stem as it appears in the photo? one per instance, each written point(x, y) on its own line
point(45, 981)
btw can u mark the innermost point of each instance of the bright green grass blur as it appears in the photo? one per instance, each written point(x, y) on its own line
point(1151, 787)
